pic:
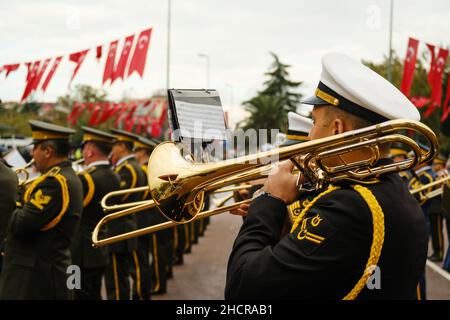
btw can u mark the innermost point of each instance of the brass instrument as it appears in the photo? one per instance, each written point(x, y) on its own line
point(115, 207)
point(178, 186)
point(433, 193)
point(24, 171)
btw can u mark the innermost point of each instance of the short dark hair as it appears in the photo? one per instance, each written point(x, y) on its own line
point(61, 147)
point(128, 145)
point(104, 148)
point(146, 150)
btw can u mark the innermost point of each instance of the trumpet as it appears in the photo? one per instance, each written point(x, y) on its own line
point(178, 187)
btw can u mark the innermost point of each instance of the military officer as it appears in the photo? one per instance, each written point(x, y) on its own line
point(298, 130)
point(436, 211)
point(8, 181)
point(350, 226)
point(161, 241)
point(143, 219)
point(400, 153)
point(97, 180)
point(37, 255)
point(124, 260)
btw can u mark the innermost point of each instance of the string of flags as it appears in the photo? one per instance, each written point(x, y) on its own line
point(132, 59)
point(435, 79)
point(134, 116)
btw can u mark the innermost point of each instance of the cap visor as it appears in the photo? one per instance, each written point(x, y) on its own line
point(314, 100)
point(289, 143)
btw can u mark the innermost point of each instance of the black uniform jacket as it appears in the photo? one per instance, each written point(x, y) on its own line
point(97, 181)
point(37, 254)
point(131, 176)
point(326, 254)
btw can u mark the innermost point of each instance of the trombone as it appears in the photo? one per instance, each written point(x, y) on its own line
point(23, 171)
point(178, 187)
point(433, 193)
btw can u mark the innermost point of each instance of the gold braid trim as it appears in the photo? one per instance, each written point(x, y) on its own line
point(146, 192)
point(91, 189)
point(305, 209)
point(65, 202)
point(377, 238)
point(133, 179)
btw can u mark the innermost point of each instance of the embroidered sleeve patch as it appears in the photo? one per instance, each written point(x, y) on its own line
point(313, 232)
point(39, 199)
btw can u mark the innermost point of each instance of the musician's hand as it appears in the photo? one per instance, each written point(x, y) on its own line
point(241, 211)
point(282, 184)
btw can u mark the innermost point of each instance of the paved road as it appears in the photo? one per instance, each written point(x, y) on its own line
point(202, 276)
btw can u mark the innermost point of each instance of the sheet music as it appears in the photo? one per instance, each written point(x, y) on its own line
point(193, 115)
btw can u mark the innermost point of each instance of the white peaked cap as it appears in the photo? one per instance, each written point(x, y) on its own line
point(298, 125)
point(349, 85)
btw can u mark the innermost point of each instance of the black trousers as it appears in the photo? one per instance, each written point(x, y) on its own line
point(159, 267)
point(437, 237)
point(117, 276)
point(141, 271)
point(91, 283)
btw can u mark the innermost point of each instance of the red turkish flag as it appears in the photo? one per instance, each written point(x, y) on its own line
point(33, 70)
point(10, 68)
point(140, 53)
point(436, 87)
point(119, 71)
point(51, 73)
point(419, 101)
point(409, 66)
point(95, 116)
point(99, 53)
point(78, 58)
point(73, 113)
point(435, 78)
point(432, 63)
point(446, 108)
point(39, 75)
point(110, 60)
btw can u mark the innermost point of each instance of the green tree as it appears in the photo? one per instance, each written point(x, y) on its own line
point(420, 88)
point(269, 108)
point(279, 84)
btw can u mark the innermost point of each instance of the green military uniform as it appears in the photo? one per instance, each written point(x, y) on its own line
point(437, 215)
point(8, 181)
point(160, 244)
point(97, 180)
point(37, 253)
point(419, 178)
point(124, 258)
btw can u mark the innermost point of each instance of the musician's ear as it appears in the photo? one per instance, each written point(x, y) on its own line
point(338, 126)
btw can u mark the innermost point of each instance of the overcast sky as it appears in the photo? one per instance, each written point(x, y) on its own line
point(237, 35)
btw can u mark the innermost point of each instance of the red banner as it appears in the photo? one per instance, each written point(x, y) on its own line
point(140, 53)
point(446, 107)
point(51, 73)
point(409, 66)
point(120, 69)
point(110, 60)
point(33, 69)
point(10, 68)
point(78, 58)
